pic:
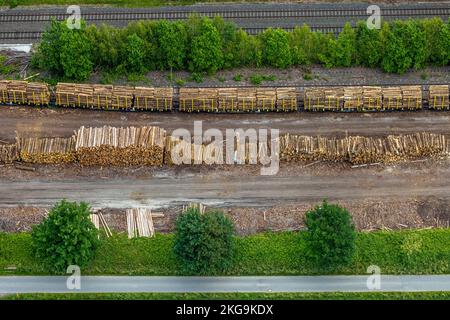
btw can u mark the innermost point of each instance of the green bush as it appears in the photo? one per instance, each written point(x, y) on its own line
point(276, 50)
point(206, 49)
point(66, 237)
point(330, 236)
point(204, 242)
point(207, 45)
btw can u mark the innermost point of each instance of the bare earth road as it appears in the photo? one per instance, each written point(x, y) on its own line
point(60, 122)
point(406, 283)
point(231, 190)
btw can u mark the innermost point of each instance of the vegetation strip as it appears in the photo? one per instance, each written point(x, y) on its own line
point(232, 296)
point(402, 252)
point(203, 45)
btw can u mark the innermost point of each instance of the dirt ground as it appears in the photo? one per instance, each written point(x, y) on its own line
point(370, 215)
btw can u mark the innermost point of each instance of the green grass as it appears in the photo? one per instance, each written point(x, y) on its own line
point(405, 252)
point(232, 296)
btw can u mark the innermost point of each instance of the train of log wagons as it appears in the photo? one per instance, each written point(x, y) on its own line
point(226, 99)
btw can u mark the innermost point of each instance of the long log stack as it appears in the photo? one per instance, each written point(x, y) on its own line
point(17, 91)
point(372, 98)
point(9, 153)
point(38, 93)
point(266, 99)
point(4, 91)
point(438, 98)
point(74, 95)
point(392, 98)
point(227, 99)
point(324, 99)
point(246, 100)
point(47, 150)
point(411, 97)
point(363, 150)
point(120, 146)
point(153, 99)
point(353, 98)
point(286, 99)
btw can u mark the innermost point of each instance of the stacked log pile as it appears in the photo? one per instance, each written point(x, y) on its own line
point(47, 150)
point(372, 98)
point(246, 100)
point(363, 150)
point(392, 98)
point(74, 95)
point(8, 153)
point(4, 91)
point(163, 98)
point(101, 95)
point(266, 99)
point(188, 99)
point(353, 98)
point(38, 93)
point(412, 97)
point(438, 97)
point(17, 91)
point(122, 98)
point(120, 146)
point(324, 98)
point(286, 99)
point(227, 99)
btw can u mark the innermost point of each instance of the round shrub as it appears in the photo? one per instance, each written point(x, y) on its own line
point(204, 242)
point(330, 236)
point(66, 237)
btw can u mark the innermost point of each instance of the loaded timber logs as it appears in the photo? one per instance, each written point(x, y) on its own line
point(438, 98)
point(120, 146)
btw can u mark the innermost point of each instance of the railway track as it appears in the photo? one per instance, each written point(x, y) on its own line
point(9, 17)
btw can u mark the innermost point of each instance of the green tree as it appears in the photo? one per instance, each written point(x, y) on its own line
point(106, 44)
point(275, 48)
point(76, 53)
point(415, 39)
point(134, 54)
point(203, 242)
point(228, 33)
point(346, 47)
point(369, 46)
point(47, 55)
point(206, 49)
point(395, 53)
point(330, 236)
point(172, 43)
point(326, 48)
point(246, 50)
point(66, 237)
point(437, 41)
point(301, 42)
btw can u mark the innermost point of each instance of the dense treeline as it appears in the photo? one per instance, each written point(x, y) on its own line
point(208, 45)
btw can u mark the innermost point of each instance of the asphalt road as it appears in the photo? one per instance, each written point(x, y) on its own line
point(407, 283)
point(230, 190)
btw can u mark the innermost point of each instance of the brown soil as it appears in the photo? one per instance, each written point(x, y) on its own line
point(369, 215)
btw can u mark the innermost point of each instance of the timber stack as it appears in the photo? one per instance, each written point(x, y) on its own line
point(286, 99)
point(324, 99)
point(372, 98)
point(266, 99)
point(363, 150)
point(438, 97)
point(120, 146)
point(227, 99)
point(392, 98)
point(9, 153)
point(47, 150)
point(246, 100)
point(411, 97)
point(38, 93)
point(17, 91)
point(353, 98)
point(74, 95)
point(4, 91)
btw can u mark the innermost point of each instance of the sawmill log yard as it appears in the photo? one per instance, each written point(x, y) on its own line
point(292, 104)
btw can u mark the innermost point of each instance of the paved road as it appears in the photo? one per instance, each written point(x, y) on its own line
point(229, 190)
point(26, 284)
